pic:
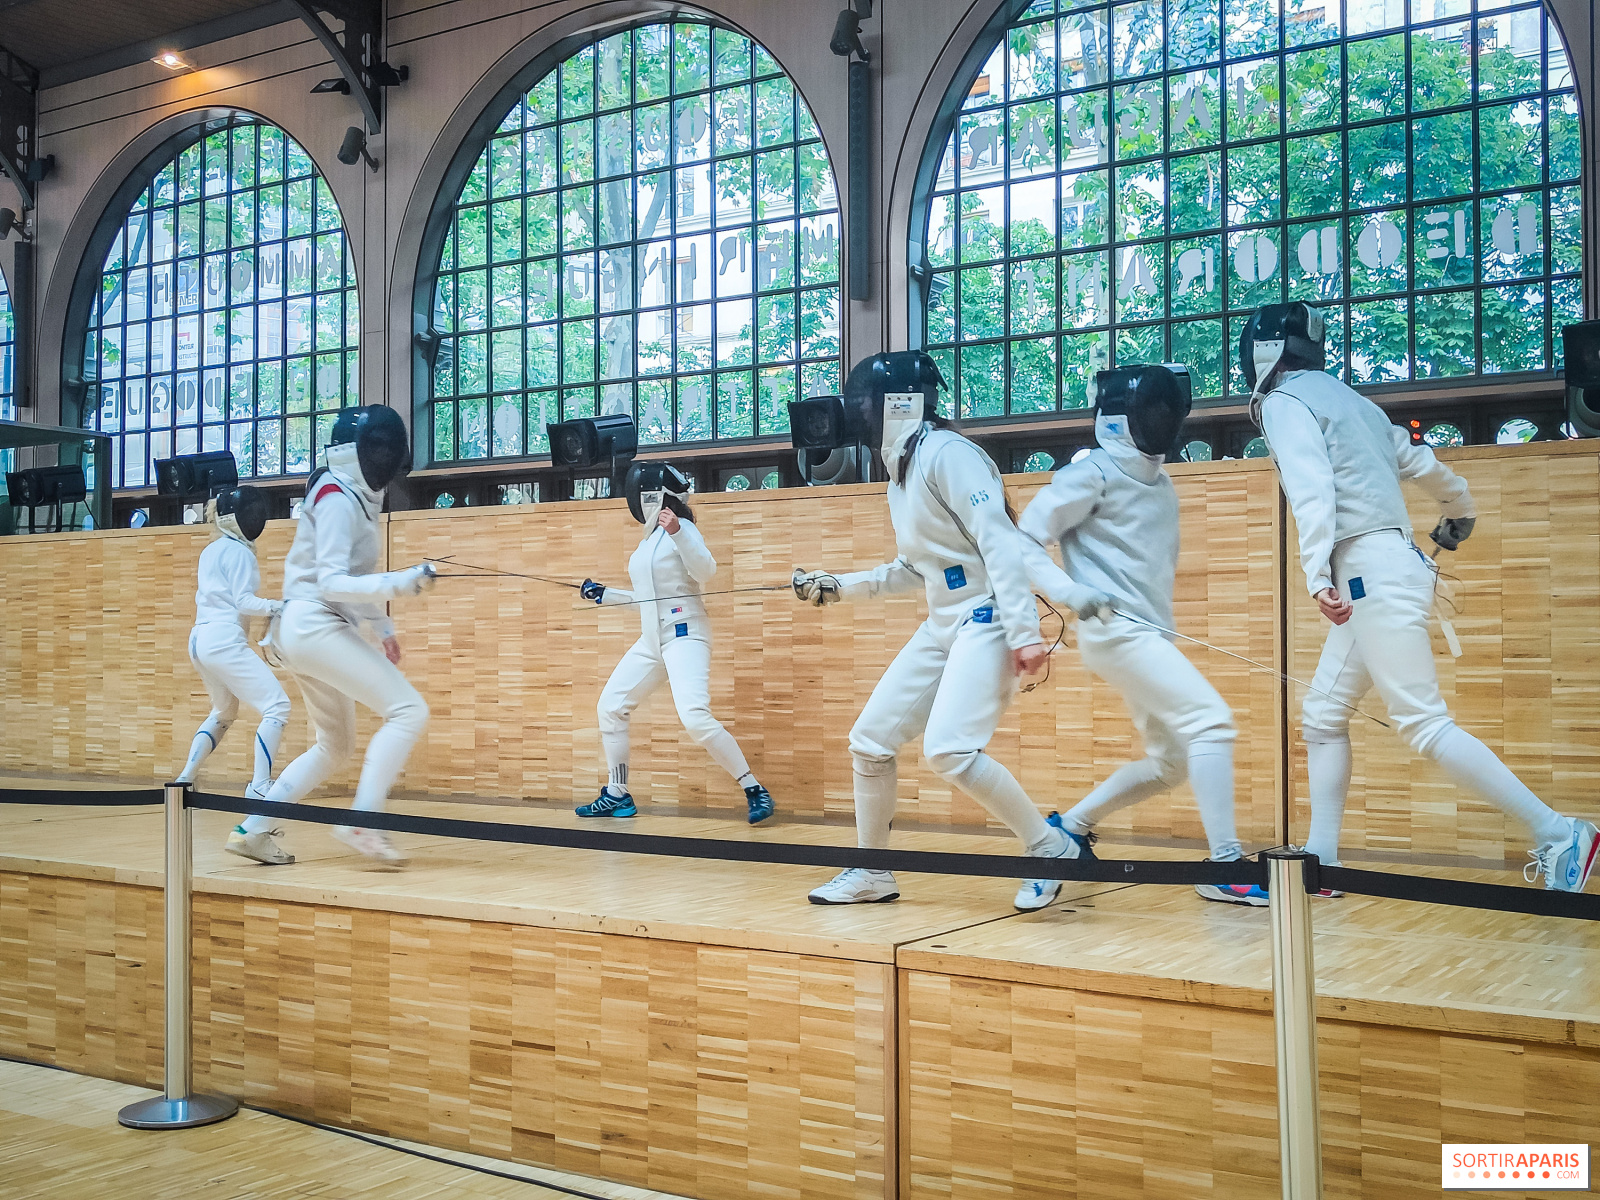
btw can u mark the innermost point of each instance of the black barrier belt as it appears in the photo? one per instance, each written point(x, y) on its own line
point(84, 799)
point(1000, 866)
point(1459, 893)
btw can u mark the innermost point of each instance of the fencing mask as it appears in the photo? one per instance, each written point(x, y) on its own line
point(646, 487)
point(1150, 402)
point(903, 377)
point(379, 435)
point(1290, 334)
point(242, 512)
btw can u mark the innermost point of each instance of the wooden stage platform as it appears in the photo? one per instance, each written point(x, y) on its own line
point(700, 1029)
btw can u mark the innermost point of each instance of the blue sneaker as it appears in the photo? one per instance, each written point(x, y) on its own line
point(1566, 865)
point(1035, 894)
point(607, 805)
point(1234, 893)
point(760, 802)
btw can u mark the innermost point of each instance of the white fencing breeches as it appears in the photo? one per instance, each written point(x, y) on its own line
point(233, 672)
point(337, 668)
point(1186, 727)
point(685, 664)
point(954, 696)
point(1386, 644)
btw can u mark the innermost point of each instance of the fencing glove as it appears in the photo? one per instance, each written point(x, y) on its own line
point(1450, 532)
point(417, 580)
point(1089, 603)
point(593, 591)
point(816, 588)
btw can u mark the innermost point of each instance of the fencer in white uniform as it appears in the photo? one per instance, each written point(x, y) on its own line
point(332, 592)
point(955, 678)
point(1114, 515)
point(1341, 463)
point(668, 570)
point(219, 646)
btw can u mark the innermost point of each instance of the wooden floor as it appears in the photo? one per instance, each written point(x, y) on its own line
point(59, 1140)
point(701, 1029)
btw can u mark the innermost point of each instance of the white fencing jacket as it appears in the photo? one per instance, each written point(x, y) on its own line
point(1115, 515)
point(1341, 461)
point(334, 558)
point(668, 572)
point(229, 577)
point(955, 541)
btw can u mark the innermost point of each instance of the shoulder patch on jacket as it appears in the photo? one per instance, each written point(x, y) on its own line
point(324, 490)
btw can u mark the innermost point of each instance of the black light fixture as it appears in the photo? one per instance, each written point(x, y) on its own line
point(590, 440)
point(324, 87)
point(9, 221)
point(38, 486)
point(196, 476)
point(354, 148)
point(846, 38)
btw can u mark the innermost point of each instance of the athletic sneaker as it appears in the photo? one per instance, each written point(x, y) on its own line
point(1233, 893)
point(1328, 894)
point(1035, 894)
point(857, 886)
point(607, 805)
point(259, 846)
point(760, 802)
point(374, 843)
point(1566, 865)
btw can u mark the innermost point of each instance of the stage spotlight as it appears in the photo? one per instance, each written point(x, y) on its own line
point(9, 221)
point(820, 423)
point(39, 486)
point(326, 86)
point(196, 476)
point(846, 38)
point(590, 440)
point(354, 148)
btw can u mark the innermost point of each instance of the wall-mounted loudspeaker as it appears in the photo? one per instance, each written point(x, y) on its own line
point(1581, 349)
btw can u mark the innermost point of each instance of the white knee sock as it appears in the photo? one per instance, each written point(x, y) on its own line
point(617, 781)
point(1475, 767)
point(615, 746)
point(268, 734)
point(748, 780)
point(1127, 785)
point(205, 741)
point(875, 799)
point(994, 787)
point(1328, 772)
point(1211, 776)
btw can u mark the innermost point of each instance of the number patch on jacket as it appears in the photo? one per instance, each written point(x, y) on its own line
point(978, 498)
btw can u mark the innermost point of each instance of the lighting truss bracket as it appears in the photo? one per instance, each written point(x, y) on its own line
point(19, 108)
point(355, 49)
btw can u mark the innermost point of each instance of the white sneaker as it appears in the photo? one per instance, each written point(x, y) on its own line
point(373, 843)
point(1035, 894)
point(260, 846)
point(1566, 865)
point(857, 886)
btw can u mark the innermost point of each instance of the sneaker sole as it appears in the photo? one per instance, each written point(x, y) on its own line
point(1037, 907)
point(755, 820)
point(1588, 866)
point(601, 816)
point(265, 862)
point(863, 900)
point(1240, 901)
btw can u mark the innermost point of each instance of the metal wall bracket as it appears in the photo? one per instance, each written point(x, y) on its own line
point(355, 49)
point(19, 113)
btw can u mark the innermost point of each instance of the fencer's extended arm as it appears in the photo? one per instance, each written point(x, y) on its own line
point(886, 579)
point(1422, 467)
point(243, 577)
point(973, 490)
point(1306, 473)
point(362, 596)
point(692, 548)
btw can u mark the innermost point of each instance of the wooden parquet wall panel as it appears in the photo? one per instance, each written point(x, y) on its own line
point(514, 668)
point(699, 1070)
point(95, 677)
point(1529, 675)
point(1021, 1090)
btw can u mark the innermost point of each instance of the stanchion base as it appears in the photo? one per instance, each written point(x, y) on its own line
point(158, 1112)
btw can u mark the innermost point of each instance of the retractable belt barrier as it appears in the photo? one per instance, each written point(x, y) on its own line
point(1289, 875)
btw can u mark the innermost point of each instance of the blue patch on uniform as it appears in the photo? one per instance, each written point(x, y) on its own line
point(683, 631)
point(955, 578)
point(1358, 590)
point(983, 616)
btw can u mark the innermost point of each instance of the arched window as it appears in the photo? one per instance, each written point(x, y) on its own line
point(224, 314)
point(1122, 182)
point(652, 229)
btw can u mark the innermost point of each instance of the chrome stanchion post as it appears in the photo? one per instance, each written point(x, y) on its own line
point(177, 1107)
point(1294, 1011)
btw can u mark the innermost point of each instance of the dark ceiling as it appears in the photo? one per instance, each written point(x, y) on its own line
point(70, 39)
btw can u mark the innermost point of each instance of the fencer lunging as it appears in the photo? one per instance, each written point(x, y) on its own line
point(1341, 463)
point(955, 678)
point(331, 591)
point(219, 647)
point(1114, 514)
point(668, 571)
